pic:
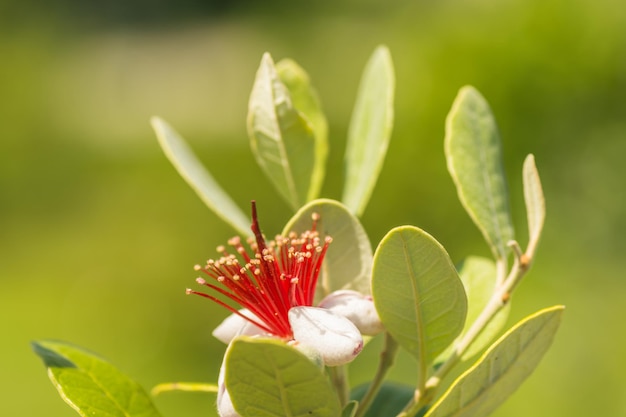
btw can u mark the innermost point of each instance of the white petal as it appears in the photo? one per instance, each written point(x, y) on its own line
point(356, 307)
point(333, 336)
point(235, 325)
point(224, 404)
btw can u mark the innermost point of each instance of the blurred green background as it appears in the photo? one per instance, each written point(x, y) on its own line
point(99, 235)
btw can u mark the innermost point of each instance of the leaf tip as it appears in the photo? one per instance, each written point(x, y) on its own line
point(50, 358)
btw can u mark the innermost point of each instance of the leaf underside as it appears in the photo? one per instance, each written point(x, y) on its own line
point(502, 369)
point(369, 131)
point(474, 156)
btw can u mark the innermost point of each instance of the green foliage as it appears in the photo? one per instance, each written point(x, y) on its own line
point(90, 385)
point(282, 138)
point(501, 370)
point(479, 280)
point(196, 175)
point(438, 315)
point(305, 99)
point(474, 155)
point(265, 377)
point(348, 266)
point(388, 402)
point(370, 130)
point(350, 409)
point(418, 294)
point(535, 203)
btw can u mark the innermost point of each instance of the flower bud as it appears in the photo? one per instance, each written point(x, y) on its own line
point(356, 307)
point(336, 339)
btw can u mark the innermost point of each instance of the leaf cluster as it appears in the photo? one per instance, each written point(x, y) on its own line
point(441, 314)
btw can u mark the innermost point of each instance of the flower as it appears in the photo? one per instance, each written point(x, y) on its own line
point(274, 285)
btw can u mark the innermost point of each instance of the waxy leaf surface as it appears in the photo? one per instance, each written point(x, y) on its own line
point(535, 202)
point(369, 131)
point(474, 156)
point(502, 369)
point(92, 386)
point(417, 292)
point(281, 137)
point(267, 378)
point(196, 175)
point(348, 262)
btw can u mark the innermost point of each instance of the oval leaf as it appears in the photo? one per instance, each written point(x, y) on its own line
point(265, 377)
point(282, 139)
point(305, 99)
point(196, 175)
point(479, 280)
point(502, 369)
point(417, 292)
point(535, 202)
point(92, 386)
point(370, 130)
point(474, 155)
point(348, 262)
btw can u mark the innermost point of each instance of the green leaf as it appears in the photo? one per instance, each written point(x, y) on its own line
point(535, 202)
point(305, 99)
point(350, 409)
point(348, 261)
point(196, 175)
point(267, 378)
point(474, 155)
point(92, 386)
point(417, 292)
point(390, 400)
point(282, 139)
point(479, 280)
point(502, 369)
point(370, 130)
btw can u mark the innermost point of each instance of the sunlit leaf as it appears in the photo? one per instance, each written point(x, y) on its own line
point(417, 292)
point(474, 155)
point(196, 175)
point(282, 139)
point(370, 130)
point(479, 279)
point(535, 202)
point(305, 99)
point(92, 386)
point(502, 369)
point(265, 377)
point(348, 262)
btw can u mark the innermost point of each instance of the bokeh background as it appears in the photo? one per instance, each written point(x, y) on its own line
point(98, 234)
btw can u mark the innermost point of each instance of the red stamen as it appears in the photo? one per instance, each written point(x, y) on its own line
point(270, 279)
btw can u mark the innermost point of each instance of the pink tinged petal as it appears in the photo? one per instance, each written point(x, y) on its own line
point(336, 339)
point(356, 307)
point(235, 325)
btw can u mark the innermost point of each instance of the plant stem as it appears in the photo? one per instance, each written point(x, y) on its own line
point(499, 298)
point(339, 377)
point(387, 358)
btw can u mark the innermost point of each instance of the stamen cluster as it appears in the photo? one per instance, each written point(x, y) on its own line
point(269, 278)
